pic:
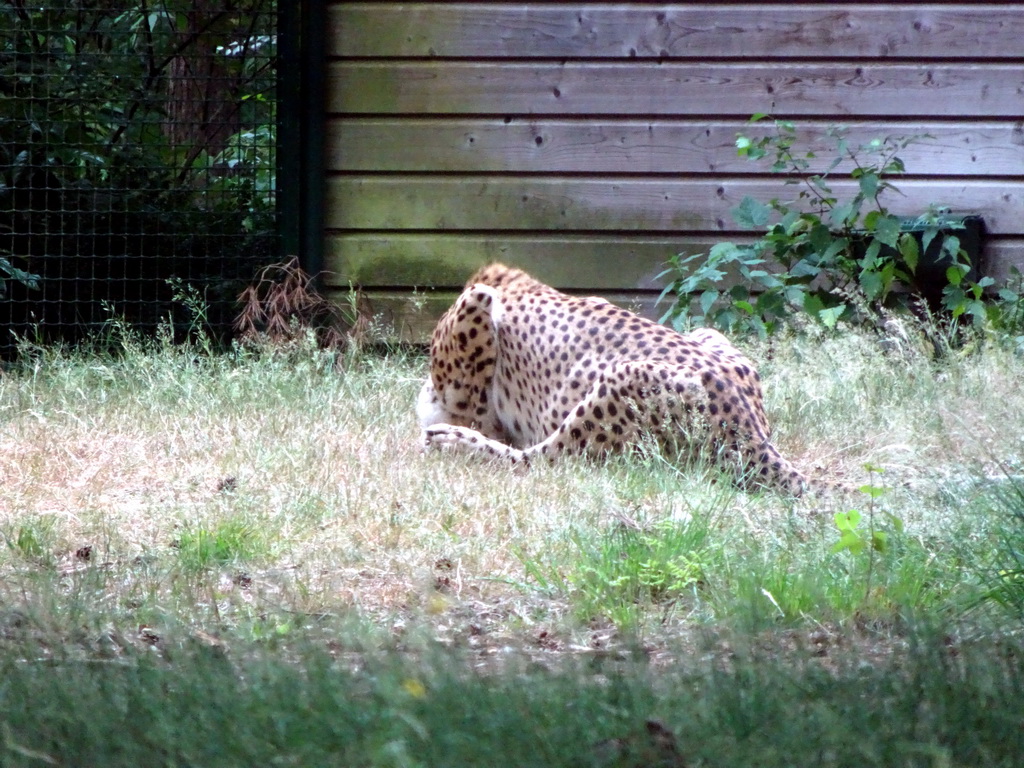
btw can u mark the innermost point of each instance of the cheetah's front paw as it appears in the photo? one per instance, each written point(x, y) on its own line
point(447, 437)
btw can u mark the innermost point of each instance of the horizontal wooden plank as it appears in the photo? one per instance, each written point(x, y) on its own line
point(584, 263)
point(1002, 257)
point(412, 316)
point(762, 31)
point(429, 260)
point(639, 146)
point(531, 203)
point(645, 88)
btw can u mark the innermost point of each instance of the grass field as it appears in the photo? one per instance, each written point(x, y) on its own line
point(244, 559)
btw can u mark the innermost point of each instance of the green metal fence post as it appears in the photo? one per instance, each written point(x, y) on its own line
point(289, 134)
point(314, 56)
point(302, 39)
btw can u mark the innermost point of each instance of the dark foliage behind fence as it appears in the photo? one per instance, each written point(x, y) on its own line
point(137, 161)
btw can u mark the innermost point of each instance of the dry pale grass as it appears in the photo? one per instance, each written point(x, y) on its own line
point(322, 464)
point(845, 401)
point(318, 464)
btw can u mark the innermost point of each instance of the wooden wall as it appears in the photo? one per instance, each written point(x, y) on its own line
point(588, 142)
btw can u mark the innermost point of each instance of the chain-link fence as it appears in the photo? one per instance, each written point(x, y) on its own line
point(137, 162)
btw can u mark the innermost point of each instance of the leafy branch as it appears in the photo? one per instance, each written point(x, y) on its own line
point(821, 255)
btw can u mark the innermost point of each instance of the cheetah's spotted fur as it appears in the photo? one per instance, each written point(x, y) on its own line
point(519, 370)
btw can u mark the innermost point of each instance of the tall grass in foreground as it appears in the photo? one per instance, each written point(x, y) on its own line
point(926, 704)
point(1003, 575)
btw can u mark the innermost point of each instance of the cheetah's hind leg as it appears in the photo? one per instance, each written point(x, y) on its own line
point(625, 404)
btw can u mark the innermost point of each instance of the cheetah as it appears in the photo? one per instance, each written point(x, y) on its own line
point(519, 371)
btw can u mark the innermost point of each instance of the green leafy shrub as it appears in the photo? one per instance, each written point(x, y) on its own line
point(229, 541)
point(633, 567)
point(865, 542)
point(1006, 310)
point(32, 539)
point(828, 258)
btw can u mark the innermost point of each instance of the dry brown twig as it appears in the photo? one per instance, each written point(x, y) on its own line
point(282, 306)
